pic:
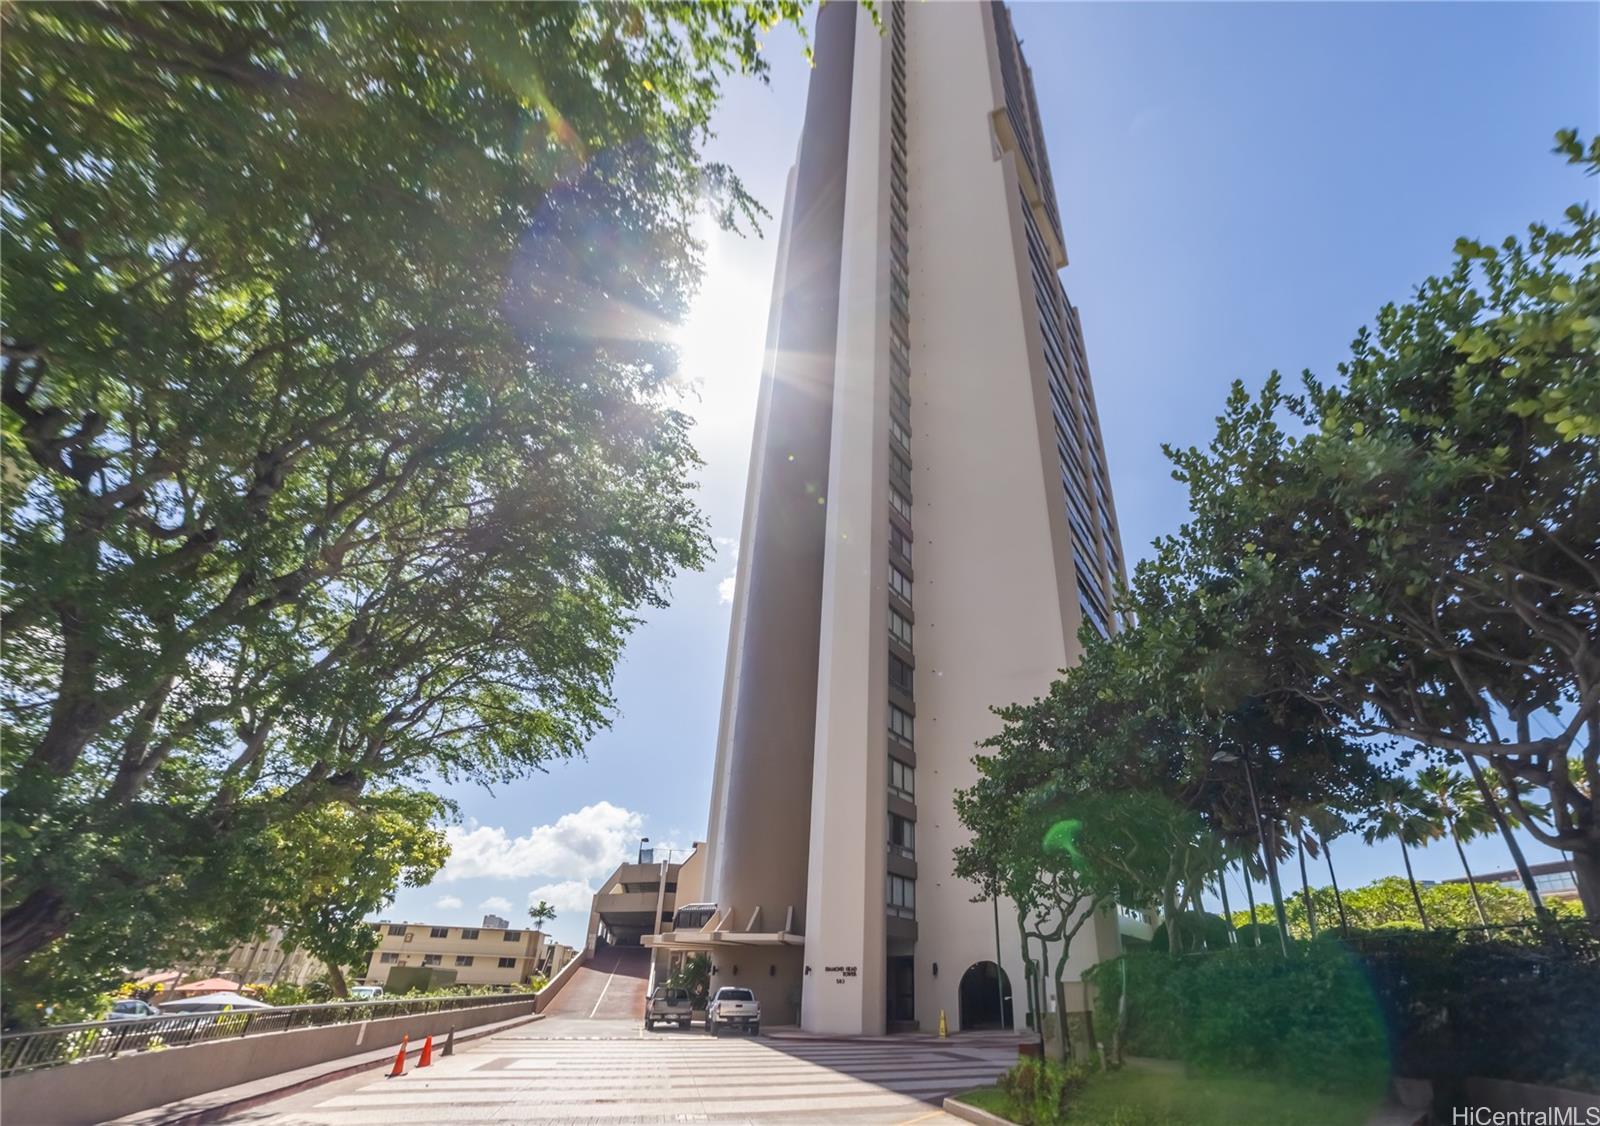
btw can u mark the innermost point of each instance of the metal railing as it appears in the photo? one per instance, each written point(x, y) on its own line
point(70, 1043)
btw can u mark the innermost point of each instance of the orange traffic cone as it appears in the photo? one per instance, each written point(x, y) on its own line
point(399, 1067)
point(427, 1053)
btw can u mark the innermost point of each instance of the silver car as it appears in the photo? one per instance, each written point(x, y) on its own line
point(132, 1009)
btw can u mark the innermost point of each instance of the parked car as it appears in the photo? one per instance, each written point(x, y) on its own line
point(132, 1009)
point(365, 992)
point(669, 1004)
point(733, 1006)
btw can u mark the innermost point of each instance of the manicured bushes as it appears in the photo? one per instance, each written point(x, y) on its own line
point(1311, 1019)
point(1527, 1011)
point(1337, 1015)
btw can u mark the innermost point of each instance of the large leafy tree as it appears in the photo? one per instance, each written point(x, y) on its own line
point(339, 434)
point(1415, 547)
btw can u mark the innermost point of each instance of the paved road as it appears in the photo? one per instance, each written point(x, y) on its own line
point(612, 987)
point(573, 1068)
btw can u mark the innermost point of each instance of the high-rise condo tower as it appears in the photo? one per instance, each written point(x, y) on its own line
point(927, 524)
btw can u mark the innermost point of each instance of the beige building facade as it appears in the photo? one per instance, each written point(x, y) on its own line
point(928, 523)
point(263, 961)
point(476, 955)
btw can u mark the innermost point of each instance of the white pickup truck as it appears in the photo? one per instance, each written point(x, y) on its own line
point(735, 1007)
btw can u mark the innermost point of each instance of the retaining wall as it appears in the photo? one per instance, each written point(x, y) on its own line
point(79, 1094)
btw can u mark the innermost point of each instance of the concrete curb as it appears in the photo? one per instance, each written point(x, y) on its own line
point(971, 1113)
point(187, 1114)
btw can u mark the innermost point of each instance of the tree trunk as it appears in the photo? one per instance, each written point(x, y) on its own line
point(1327, 854)
point(30, 926)
point(1227, 912)
point(1305, 889)
point(1250, 894)
point(1061, 1000)
point(1586, 868)
point(1472, 884)
point(1416, 896)
point(1169, 908)
point(341, 988)
point(1517, 859)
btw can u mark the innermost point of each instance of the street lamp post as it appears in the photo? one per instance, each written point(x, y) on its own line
point(1267, 854)
point(642, 842)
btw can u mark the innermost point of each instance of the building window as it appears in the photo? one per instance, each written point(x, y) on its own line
point(902, 897)
point(899, 628)
point(899, 675)
point(902, 835)
point(432, 959)
point(899, 503)
point(902, 780)
point(900, 725)
point(899, 433)
point(900, 584)
point(463, 959)
point(899, 543)
point(899, 469)
point(508, 963)
point(388, 958)
point(438, 932)
point(397, 929)
point(469, 933)
point(513, 936)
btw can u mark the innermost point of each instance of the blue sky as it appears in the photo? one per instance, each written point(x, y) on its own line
point(1242, 186)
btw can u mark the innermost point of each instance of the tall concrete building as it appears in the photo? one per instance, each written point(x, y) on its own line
point(928, 522)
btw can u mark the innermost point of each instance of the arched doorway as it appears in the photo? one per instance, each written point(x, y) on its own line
point(982, 988)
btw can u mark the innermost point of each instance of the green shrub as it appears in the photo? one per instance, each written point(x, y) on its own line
point(1311, 1019)
point(1040, 1090)
point(1343, 1014)
point(1198, 929)
point(1268, 933)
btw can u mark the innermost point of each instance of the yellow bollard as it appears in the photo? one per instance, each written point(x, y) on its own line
point(944, 1026)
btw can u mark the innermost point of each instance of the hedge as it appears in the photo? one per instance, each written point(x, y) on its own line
point(1439, 1005)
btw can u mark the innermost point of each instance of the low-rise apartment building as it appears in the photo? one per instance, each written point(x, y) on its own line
point(477, 955)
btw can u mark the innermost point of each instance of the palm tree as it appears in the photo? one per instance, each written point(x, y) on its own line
point(541, 914)
point(1327, 824)
point(1299, 832)
point(1465, 816)
point(1401, 811)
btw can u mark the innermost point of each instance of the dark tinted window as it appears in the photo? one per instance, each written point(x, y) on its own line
point(735, 995)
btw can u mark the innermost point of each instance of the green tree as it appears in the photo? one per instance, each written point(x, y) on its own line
point(1387, 904)
point(1403, 812)
point(1412, 547)
point(331, 868)
point(1466, 817)
point(340, 444)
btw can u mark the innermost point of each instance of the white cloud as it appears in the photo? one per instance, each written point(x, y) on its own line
point(571, 899)
point(448, 902)
point(499, 904)
point(725, 587)
point(584, 845)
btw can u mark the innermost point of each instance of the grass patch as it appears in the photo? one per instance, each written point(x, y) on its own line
point(1136, 1097)
point(991, 1099)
